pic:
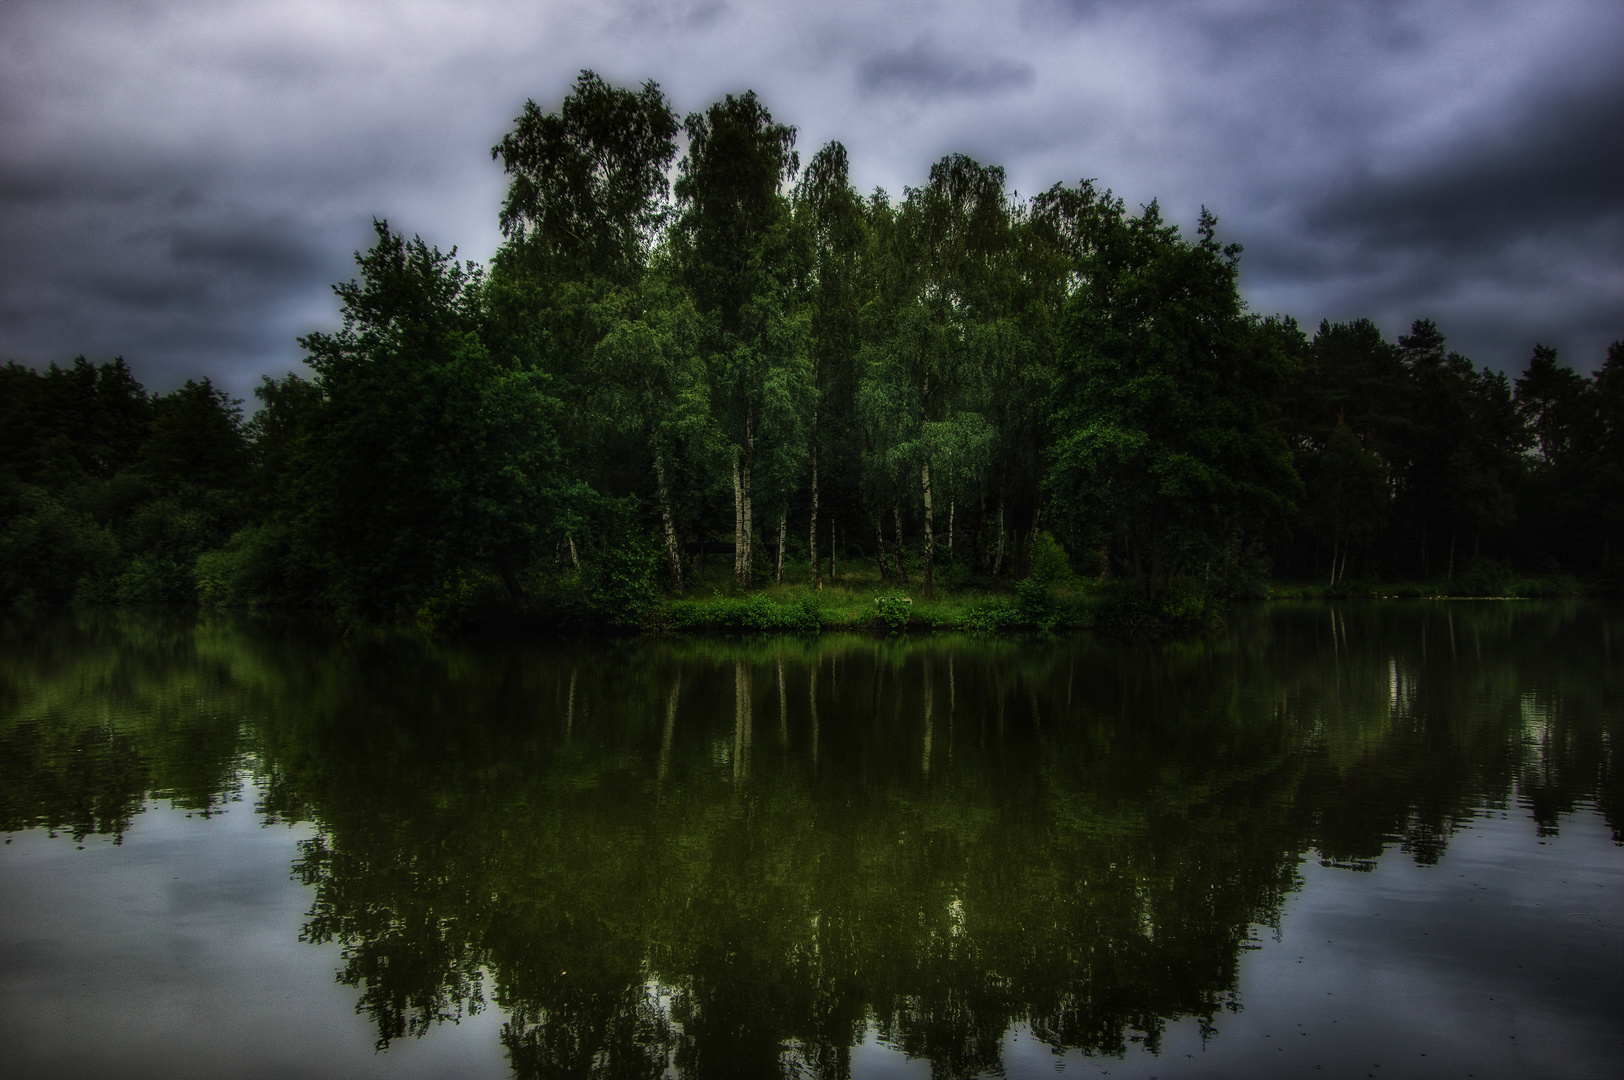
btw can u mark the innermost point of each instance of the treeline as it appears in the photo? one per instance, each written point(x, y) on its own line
point(758, 363)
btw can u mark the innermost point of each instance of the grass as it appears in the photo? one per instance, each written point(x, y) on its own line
point(860, 600)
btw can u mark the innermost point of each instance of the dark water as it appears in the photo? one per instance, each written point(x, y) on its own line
point(1365, 840)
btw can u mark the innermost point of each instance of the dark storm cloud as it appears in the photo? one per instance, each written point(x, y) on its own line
point(182, 180)
point(1510, 229)
point(1559, 163)
point(923, 69)
point(147, 266)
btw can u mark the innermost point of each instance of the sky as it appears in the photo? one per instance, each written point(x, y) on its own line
point(182, 182)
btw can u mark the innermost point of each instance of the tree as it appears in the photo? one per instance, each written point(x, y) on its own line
point(1550, 401)
point(654, 380)
point(831, 222)
point(734, 247)
point(587, 195)
point(1348, 493)
point(428, 455)
point(1162, 425)
point(1465, 454)
point(196, 439)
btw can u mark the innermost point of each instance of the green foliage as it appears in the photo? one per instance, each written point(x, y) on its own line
point(753, 614)
point(893, 611)
point(428, 455)
point(462, 602)
point(1163, 412)
point(1483, 577)
point(617, 588)
point(647, 359)
point(1050, 563)
point(1121, 605)
point(1036, 605)
point(155, 579)
point(50, 552)
point(587, 180)
point(196, 439)
point(258, 565)
point(994, 616)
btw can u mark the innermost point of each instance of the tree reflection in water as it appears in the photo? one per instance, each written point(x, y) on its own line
point(737, 857)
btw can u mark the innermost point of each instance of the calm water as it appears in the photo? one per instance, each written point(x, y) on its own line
point(1362, 840)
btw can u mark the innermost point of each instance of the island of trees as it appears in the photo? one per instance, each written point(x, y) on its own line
point(661, 399)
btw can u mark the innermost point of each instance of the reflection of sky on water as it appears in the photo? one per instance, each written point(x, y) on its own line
point(1506, 959)
point(177, 953)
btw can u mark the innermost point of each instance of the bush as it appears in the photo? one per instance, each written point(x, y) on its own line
point(1186, 603)
point(1036, 606)
point(617, 588)
point(1121, 604)
point(754, 614)
point(50, 553)
point(462, 601)
point(1050, 563)
point(1482, 577)
point(1240, 572)
point(155, 579)
point(993, 616)
point(893, 610)
point(256, 566)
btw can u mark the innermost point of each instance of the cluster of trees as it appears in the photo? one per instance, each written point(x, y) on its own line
point(926, 382)
point(1415, 461)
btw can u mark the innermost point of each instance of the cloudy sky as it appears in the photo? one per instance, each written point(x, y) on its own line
point(181, 182)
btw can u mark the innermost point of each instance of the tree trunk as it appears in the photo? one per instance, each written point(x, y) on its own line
point(983, 559)
point(1451, 574)
point(812, 532)
point(575, 560)
point(738, 518)
point(998, 559)
point(783, 534)
point(1032, 542)
point(1333, 561)
point(672, 550)
point(930, 532)
point(747, 571)
point(902, 566)
point(879, 549)
point(952, 508)
point(831, 549)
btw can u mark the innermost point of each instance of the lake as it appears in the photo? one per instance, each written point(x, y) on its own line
point(1365, 839)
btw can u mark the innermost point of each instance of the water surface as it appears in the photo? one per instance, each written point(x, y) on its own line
point(1353, 840)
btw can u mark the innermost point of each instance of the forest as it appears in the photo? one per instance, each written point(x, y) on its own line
point(689, 380)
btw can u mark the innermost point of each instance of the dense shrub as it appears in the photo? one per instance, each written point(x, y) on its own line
point(1482, 577)
point(50, 553)
point(256, 566)
point(755, 614)
point(892, 611)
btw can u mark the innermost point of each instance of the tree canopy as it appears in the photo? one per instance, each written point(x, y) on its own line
point(689, 346)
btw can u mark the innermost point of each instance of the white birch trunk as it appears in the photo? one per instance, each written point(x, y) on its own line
point(672, 552)
point(930, 531)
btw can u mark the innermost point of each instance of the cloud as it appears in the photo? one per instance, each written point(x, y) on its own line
point(922, 69)
point(181, 181)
